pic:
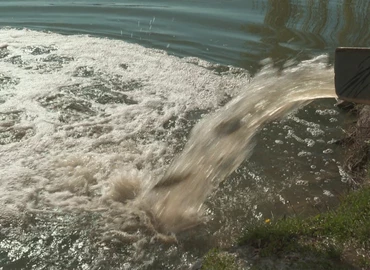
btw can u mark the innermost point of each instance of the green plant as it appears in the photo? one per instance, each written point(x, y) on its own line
point(217, 260)
point(324, 235)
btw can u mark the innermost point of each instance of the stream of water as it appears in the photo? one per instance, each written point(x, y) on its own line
point(118, 155)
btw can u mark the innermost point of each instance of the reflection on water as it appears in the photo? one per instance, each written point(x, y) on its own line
point(298, 29)
point(228, 32)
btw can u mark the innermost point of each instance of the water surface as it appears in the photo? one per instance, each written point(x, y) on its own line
point(83, 118)
point(230, 32)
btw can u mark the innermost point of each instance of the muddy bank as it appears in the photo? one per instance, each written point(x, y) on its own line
point(357, 144)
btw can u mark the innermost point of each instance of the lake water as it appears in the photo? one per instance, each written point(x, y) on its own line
point(98, 98)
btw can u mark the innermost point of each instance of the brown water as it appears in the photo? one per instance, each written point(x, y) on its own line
point(222, 141)
point(117, 156)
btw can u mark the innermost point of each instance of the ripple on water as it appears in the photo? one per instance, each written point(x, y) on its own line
point(100, 114)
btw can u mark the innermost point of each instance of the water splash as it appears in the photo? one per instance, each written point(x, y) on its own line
point(222, 141)
point(94, 129)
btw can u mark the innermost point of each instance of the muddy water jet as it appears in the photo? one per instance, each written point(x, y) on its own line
point(105, 161)
point(223, 140)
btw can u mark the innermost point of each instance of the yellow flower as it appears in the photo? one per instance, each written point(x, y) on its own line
point(267, 221)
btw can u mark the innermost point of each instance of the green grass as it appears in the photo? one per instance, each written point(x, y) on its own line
point(327, 235)
point(217, 260)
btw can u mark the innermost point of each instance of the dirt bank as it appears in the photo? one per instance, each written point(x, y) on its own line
point(357, 145)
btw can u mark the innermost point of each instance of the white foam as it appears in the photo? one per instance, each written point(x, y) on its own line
point(85, 154)
point(331, 112)
point(70, 160)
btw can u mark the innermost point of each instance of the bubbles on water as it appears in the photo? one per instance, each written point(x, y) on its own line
point(328, 151)
point(83, 71)
point(302, 183)
point(18, 61)
point(310, 142)
point(45, 61)
point(304, 122)
point(39, 50)
point(81, 107)
point(315, 131)
point(69, 108)
point(99, 93)
point(331, 112)
point(304, 154)
point(328, 193)
point(11, 128)
point(3, 51)
point(91, 131)
point(7, 81)
point(281, 199)
point(52, 63)
point(107, 122)
point(256, 214)
point(345, 177)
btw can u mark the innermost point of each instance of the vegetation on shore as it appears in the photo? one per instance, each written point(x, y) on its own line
point(218, 260)
point(336, 239)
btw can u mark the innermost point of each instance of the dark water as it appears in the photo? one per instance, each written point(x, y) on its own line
point(239, 33)
point(81, 121)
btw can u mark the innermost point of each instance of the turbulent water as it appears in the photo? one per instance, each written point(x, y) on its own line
point(221, 142)
point(116, 156)
point(93, 135)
